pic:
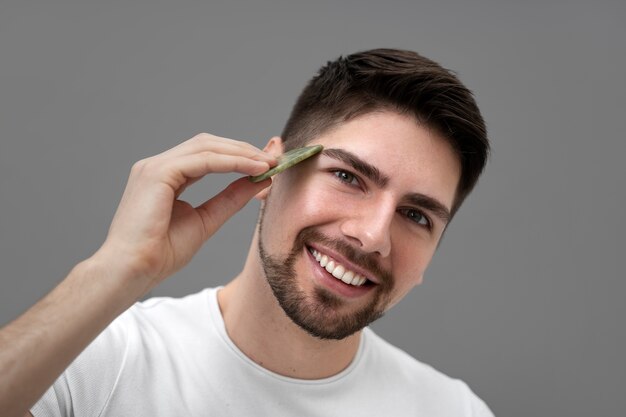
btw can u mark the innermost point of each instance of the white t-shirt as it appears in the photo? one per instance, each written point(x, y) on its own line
point(173, 357)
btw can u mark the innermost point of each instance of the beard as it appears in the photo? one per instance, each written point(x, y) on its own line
point(319, 314)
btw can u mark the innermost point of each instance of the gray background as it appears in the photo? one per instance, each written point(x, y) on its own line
point(524, 300)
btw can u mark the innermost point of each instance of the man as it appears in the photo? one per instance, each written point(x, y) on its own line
point(341, 238)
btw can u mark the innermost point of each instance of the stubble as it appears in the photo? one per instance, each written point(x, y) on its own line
point(323, 314)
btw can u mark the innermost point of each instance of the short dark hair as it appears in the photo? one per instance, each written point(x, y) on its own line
point(401, 81)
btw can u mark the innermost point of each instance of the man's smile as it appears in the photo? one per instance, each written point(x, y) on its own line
point(336, 273)
point(337, 270)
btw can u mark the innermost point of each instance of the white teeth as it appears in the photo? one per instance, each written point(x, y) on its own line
point(359, 280)
point(354, 280)
point(338, 271)
point(348, 276)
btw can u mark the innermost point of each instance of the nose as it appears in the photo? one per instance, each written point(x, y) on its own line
point(369, 226)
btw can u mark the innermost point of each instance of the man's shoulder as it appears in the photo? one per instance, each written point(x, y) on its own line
point(158, 327)
point(400, 362)
point(393, 366)
point(157, 319)
point(168, 318)
point(171, 308)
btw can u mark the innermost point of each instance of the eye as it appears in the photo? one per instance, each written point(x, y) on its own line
point(416, 216)
point(347, 177)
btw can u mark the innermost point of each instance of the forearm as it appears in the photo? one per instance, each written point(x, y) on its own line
point(37, 347)
point(153, 234)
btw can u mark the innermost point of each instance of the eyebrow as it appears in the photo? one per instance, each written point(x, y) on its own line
point(431, 205)
point(381, 180)
point(368, 170)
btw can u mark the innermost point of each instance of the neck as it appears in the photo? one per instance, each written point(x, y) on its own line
point(256, 323)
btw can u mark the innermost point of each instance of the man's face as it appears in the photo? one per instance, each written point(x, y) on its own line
point(345, 235)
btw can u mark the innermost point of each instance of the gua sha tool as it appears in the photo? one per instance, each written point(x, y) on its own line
point(289, 159)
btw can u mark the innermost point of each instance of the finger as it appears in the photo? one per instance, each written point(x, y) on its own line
point(188, 184)
point(200, 164)
point(205, 142)
point(177, 172)
point(229, 201)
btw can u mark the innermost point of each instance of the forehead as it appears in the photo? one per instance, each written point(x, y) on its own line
point(415, 158)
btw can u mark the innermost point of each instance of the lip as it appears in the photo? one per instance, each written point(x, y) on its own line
point(323, 278)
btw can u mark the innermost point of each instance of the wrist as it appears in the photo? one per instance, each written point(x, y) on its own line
point(111, 272)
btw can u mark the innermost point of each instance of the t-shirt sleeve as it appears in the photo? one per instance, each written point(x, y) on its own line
point(477, 407)
point(480, 409)
point(87, 384)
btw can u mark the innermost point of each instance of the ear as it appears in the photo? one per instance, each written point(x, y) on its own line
point(275, 147)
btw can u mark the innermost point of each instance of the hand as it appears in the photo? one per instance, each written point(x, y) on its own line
point(153, 234)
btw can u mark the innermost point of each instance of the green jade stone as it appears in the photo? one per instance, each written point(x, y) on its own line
point(287, 160)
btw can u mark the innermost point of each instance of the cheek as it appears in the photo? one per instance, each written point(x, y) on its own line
point(315, 205)
point(291, 208)
point(409, 261)
point(404, 285)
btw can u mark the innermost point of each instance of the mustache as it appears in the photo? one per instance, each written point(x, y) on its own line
point(366, 260)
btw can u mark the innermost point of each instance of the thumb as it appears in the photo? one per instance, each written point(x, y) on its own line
point(217, 210)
